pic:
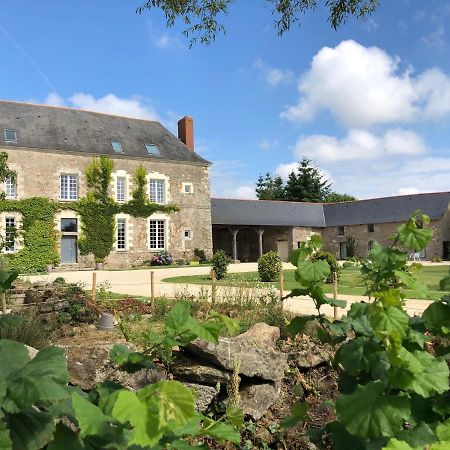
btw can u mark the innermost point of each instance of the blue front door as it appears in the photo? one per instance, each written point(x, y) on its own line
point(68, 249)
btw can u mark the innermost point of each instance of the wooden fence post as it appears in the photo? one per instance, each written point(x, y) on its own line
point(213, 291)
point(94, 286)
point(281, 284)
point(335, 289)
point(152, 289)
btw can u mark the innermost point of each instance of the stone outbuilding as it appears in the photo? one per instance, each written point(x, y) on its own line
point(245, 229)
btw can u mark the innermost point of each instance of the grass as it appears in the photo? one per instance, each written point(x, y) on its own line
point(350, 281)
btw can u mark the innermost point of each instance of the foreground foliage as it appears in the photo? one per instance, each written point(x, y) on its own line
point(394, 391)
point(39, 410)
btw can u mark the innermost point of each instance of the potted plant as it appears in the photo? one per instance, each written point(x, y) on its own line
point(195, 261)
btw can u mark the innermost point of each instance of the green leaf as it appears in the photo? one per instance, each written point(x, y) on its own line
point(433, 378)
point(13, 356)
point(5, 440)
point(209, 331)
point(437, 318)
point(337, 303)
point(7, 278)
point(370, 413)
point(299, 412)
point(412, 237)
point(10, 321)
point(410, 282)
point(142, 414)
point(177, 316)
point(91, 419)
point(419, 437)
point(235, 416)
point(129, 360)
point(31, 430)
point(41, 380)
point(231, 325)
point(222, 432)
point(342, 439)
point(311, 272)
point(395, 444)
point(297, 324)
point(443, 431)
point(65, 439)
point(388, 321)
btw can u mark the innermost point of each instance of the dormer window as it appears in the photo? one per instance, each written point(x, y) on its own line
point(10, 135)
point(152, 149)
point(117, 146)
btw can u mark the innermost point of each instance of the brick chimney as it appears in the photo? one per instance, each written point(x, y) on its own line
point(186, 132)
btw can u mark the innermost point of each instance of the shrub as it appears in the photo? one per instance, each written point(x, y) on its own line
point(180, 262)
point(59, 280)
point(269, 267)
point(351, 246)
point(436, 259)
point(80, 310)
point(220, 263)
point(332, 262)
point(163, 258)
point(200, 254)
point(30, 329)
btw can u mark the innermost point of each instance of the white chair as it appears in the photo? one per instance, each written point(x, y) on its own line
point(414, 256)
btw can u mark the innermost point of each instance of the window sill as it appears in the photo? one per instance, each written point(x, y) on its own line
point(68, 199)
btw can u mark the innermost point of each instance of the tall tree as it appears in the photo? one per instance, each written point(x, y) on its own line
point(307, 184)
point(201, 16)
point(269, 187)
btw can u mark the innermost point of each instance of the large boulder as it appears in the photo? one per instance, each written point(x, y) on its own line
point(261, 333)
point(256, 358)
point(256, 399)
point(188, 369)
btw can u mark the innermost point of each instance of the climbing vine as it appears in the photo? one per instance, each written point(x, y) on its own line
point(38, 233)
point(97, 212)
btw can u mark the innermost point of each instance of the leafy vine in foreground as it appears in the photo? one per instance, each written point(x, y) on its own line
point(39, 410)
point(393, 391)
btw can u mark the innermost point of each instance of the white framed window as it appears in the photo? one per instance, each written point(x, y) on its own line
point(187, 234)
point(157, 190)
point(10, 188)
point(157, 235)
point(10, 135)
point(188, 188)
point(121, 189)
point(121, 234)
point(10, 234)
point(68, 187)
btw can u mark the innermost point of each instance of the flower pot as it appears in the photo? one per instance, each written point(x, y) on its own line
point(106, 322)
point(194, 263)
point(49, 268)
point(99, 266)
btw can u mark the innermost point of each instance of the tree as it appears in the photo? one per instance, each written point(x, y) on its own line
point(5, 172)
point(307, 184)
point(270, 188)
point(335, 197)
point(201, 16)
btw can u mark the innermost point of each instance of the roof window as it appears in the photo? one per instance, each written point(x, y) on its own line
point(10, 135)
point(117, 146)
point(152, 149)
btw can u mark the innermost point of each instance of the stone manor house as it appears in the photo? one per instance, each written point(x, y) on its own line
point(50, 148)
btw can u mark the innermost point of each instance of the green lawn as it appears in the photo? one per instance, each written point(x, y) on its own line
point(350, 281)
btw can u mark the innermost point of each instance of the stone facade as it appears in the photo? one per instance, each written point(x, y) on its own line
point(38, 175)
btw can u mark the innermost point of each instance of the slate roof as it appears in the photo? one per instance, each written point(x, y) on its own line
point(387, 209)
point(377, 210)
point(263, 212)
point(78, 131)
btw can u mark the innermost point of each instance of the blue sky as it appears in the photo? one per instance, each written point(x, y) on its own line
point(369, 103)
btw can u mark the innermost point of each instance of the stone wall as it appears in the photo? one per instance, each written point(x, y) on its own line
point(38, 176)
point(381, 234)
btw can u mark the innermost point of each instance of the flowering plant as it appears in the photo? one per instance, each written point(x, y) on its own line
point(163, 258)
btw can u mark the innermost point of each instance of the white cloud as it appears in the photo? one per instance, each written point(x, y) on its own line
point(135, 107)
point(162, 40)
point(408, 191)
point(363, 86)
point(358, 145)
point(273, 75)
point(268, 144)
point(435, 38)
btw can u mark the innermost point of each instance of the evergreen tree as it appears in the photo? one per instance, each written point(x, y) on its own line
point(270, 188)
point(306, 184)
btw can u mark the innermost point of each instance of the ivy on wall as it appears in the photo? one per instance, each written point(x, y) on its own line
point(97, 212)
point(38, 233)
